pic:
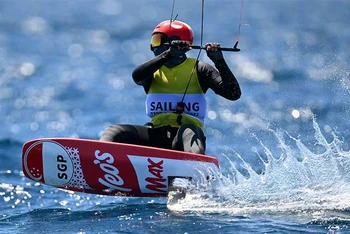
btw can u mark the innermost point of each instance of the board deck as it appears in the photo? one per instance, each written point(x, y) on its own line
point(108, 168)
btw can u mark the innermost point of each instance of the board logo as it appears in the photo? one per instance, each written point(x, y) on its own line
point(112, 180)
point(39, 166)
point(57, 172)
point(156, 182)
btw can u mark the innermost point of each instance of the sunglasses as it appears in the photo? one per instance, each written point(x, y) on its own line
point(159, 39)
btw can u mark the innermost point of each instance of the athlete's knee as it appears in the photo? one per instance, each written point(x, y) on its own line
point(118, 133)
point(190, 138)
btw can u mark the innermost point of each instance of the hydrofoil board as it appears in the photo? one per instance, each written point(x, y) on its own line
point(109, 168)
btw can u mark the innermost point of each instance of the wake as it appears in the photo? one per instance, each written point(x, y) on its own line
point(299, 180)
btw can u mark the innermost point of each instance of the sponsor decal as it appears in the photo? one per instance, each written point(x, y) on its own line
point(153, 172)
point(112, 180)
point(156, 182)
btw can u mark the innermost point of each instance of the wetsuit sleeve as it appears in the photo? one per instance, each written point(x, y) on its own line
point(143, 74)
point(220, 79)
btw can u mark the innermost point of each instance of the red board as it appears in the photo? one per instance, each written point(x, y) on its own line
point(108, 168)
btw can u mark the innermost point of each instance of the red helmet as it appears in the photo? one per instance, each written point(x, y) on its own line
point(171, 29)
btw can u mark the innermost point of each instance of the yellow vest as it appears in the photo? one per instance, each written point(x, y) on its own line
point(167, 89)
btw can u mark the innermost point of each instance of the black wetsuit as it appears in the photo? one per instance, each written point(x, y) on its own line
point(220, 80)
point(188, 137)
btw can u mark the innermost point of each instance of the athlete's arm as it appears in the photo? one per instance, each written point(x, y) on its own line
point(221, 80)
point(143, 74)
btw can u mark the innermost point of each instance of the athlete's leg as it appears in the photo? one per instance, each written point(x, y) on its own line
point(125, 133)
point(161, 137)
point(190, 138)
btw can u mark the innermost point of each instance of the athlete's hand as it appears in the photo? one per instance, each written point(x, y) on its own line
point(178, 48)
point(213, 51)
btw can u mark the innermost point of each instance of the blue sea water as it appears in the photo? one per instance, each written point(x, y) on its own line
point(284, 147)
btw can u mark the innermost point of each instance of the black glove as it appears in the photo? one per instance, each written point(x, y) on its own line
point(178, 48)
point(213, 51)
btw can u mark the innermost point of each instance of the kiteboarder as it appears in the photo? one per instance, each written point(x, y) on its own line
point(175, 88)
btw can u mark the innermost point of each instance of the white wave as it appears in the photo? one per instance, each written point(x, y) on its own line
point(297, 181)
